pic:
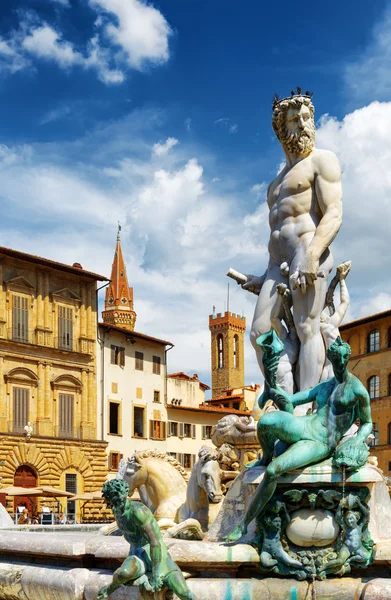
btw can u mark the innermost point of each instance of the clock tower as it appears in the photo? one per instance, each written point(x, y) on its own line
point(119, 309)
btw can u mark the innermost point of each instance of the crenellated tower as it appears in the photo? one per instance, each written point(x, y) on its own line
point(227, 333)
point(119, 309)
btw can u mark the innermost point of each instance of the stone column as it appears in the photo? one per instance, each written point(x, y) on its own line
point(3, 398)
point(41, 392)
point(40, 337)
point(3, 313)
point(89, 314)
point(47, 317)
point(9, 315)
point(84, 404)
point(91, 407)
point(83, 330)
point(46, 426)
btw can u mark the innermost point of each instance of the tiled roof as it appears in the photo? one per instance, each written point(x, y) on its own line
point(363, 320)
point(182, 375)
point(211, 409)
point(141, 336)
point(51, 263)
point(225, 398)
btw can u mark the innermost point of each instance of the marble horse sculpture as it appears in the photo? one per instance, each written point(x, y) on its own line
point(312, 438)
point(149, 564)
point(165, 486)
point(162, 477)
point(204, 488)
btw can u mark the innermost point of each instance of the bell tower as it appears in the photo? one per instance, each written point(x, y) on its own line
point(119, 309)
point(227, 346)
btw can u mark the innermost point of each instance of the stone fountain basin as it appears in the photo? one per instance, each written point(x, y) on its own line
point(46, 566)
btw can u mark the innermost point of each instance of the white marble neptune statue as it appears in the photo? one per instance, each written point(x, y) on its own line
point(305, 202)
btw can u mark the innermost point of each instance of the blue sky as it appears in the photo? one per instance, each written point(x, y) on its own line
point(158, 115)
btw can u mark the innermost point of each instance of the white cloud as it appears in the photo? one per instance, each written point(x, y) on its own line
point(163, 149)
point(11, 59)
point(188, 124)
point(216, 179)
point(56, 114)
point(65, 3)
point(361, 141)
point(259, 190)
point(225, 122)
point(128, 35)
point(45, 42)
point(140, 30)
point(377, 304)
point(369, 77)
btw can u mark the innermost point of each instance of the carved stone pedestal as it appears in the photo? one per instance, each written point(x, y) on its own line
point(316, 524)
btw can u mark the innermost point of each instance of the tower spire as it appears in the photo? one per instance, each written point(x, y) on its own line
point(119, 308)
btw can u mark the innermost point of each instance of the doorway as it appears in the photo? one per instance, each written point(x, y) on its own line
point(25, 476)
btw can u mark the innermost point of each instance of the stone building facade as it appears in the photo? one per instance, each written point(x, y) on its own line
point(131, 393)
point(227, 351)
point(370, 341)
point(48, 375)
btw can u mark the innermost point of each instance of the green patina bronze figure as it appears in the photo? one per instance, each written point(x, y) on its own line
point(356, 548)
point(311, 438)
point(274, 521)
point(149, 564)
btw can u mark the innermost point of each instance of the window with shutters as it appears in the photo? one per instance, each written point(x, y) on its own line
point(173, 429)
point(187, 461)
point(71, 483)
point(71, 486)
point(20, 319)
point(206, 432)
point(220, 352)
point(65, 328)
point(375, 433)
point(118, 355)
point(236, 351)
point(189, 430)
point(66, 410)
point(139, 421)
point(114, 459)
point(157, 430)
point(21, 409)
point(114, 418)
point(156, 365)
point(139, 366)
point(373, 387)
point(373, 342)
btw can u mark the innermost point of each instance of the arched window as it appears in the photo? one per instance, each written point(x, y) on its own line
point(25, 476)
point(375, 433)
point(373, 342)
point(236, 351)
point(373, 386)
point(220, 352)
